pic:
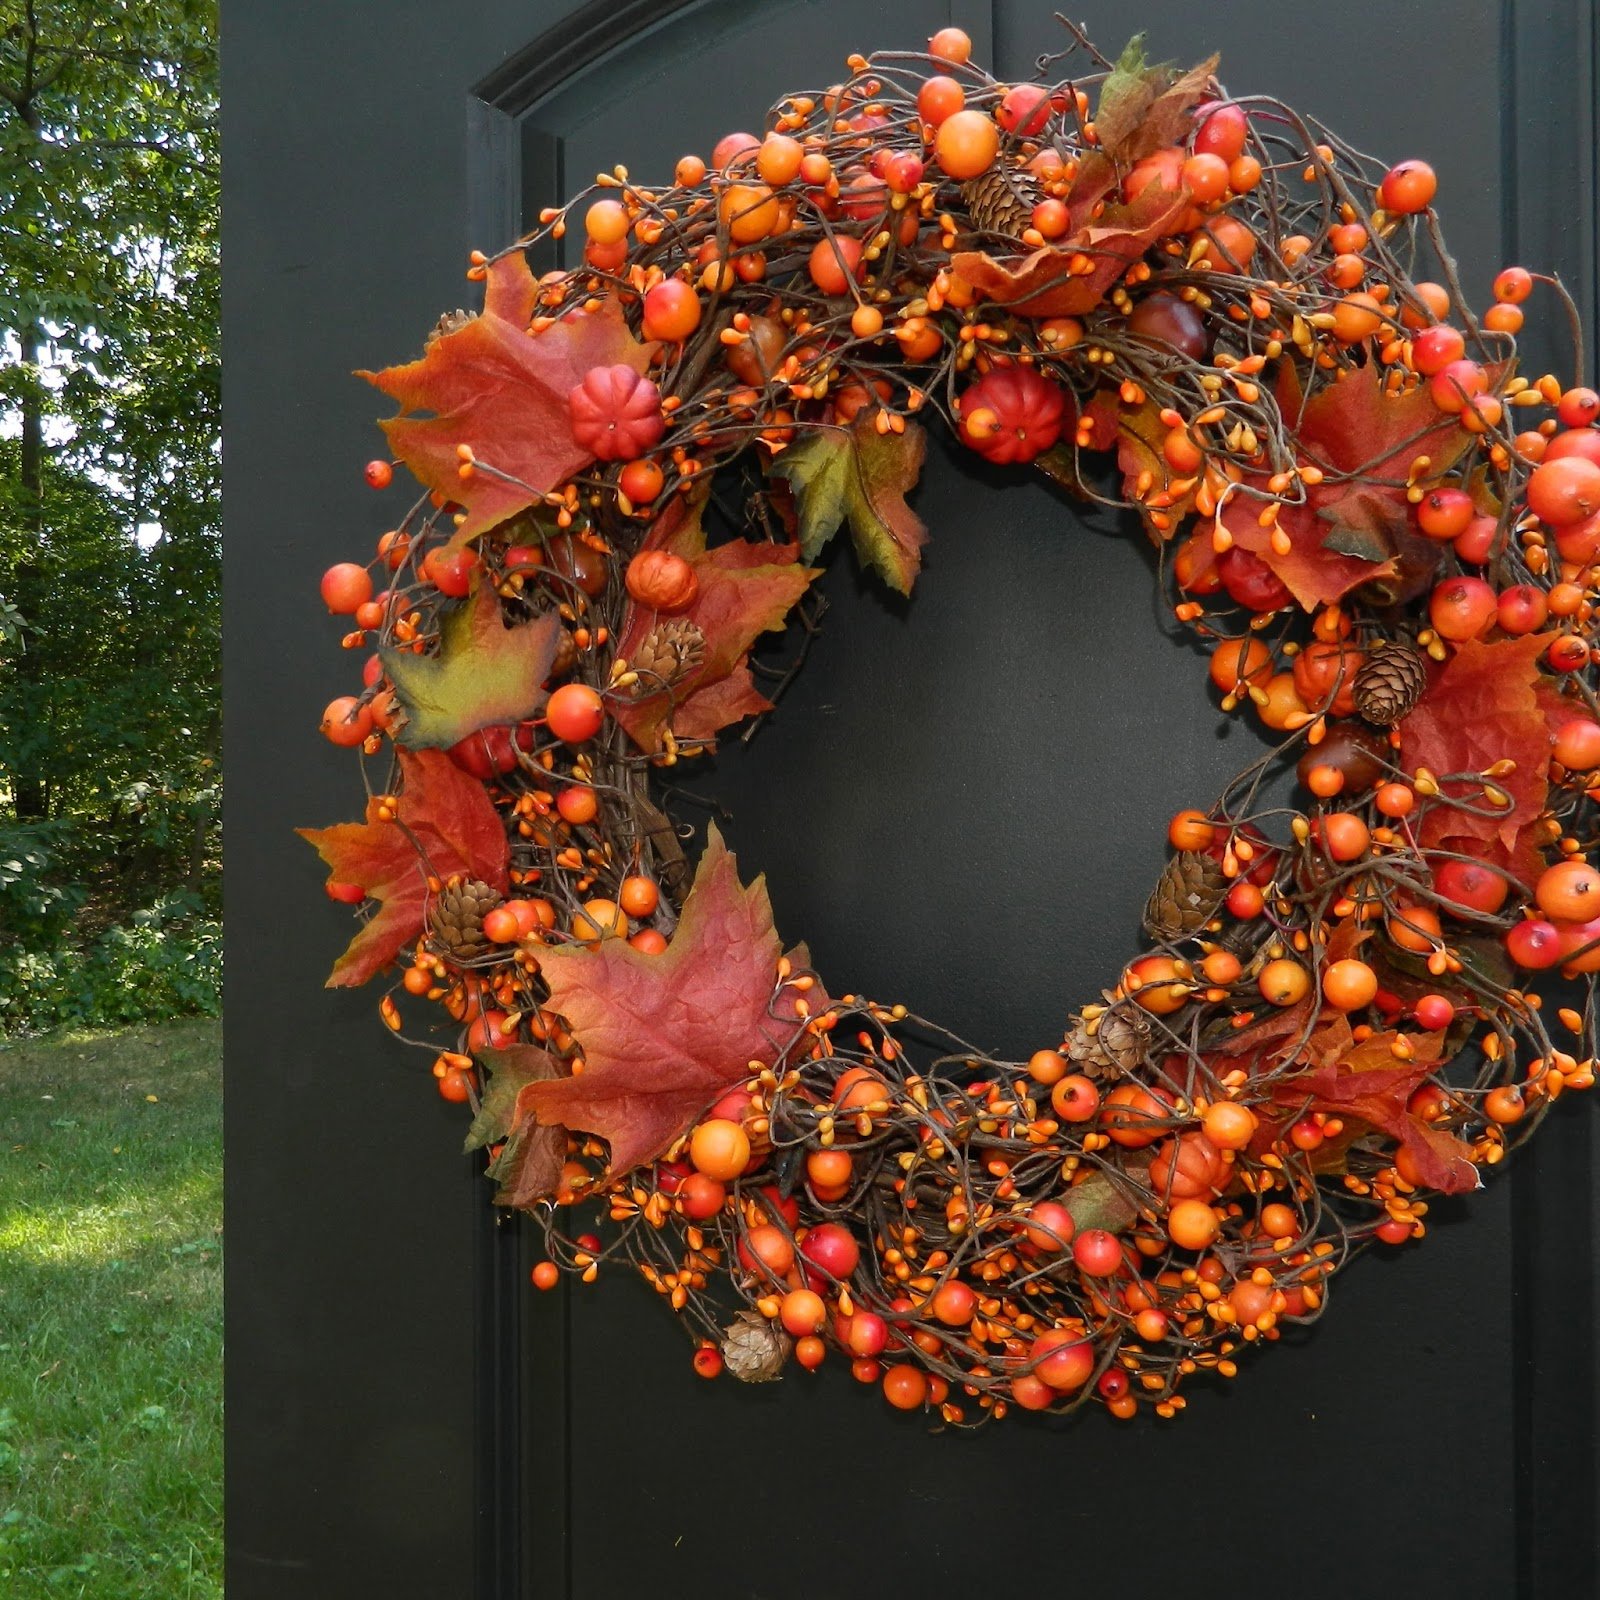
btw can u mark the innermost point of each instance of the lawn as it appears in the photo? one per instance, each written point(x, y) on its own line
point(111, 1314)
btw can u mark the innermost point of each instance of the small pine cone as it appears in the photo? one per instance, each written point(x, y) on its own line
point(1001, 201)
point(566, 657)
point(456, 920)
point(754, 1348)
point(1185, 898)
point(670, 651)
point(1113, 1044)
point(1389, 683)
point(449, 323)
point(1123, 1036)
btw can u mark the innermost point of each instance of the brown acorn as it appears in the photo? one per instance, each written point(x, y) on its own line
point(1185, 898)
point(1390, 683)
point(455, 920)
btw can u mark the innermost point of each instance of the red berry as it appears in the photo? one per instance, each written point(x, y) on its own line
point(1577, 408)
point(1472, 886)
point(347, 721)
point(1408, 188)
point(1462, 608)
point(1513, 285)
point(1097, 1252)
point(450, 574)
point(346, 587)
point(379, 474)
point(574, 713)
point(1434, 1011)
point(1456, 383)
point(344, 894)
point(671, 310)
point(1444, 513)
point(1435, 348)
point(834, 1250)
point(1535, 944)
point(1221, 130)
point(1564, 491)
point(1025, 110)
point(708, 1361)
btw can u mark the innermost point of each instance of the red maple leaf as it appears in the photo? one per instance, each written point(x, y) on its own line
point(1367, 1083)
point(1486, 704)
point(1350, 529)
point(1041, 285)
point(502, 391)
point(446, 825)
point(746, 588)
point(663, 1036)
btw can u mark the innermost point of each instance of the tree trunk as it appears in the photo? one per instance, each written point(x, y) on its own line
point(28, 793)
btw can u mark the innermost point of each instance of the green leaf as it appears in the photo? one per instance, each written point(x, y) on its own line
point(1098, 1203)
point(860, 475)
point(507, 1071)
point(484, 673)
point(1143, 108)
point(529, 1165)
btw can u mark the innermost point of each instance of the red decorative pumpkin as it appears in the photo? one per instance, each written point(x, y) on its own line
point(1011, 414)
point(662, 580)
point(616, 414)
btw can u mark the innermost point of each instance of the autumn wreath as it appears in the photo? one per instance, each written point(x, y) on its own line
point(1331, 1022)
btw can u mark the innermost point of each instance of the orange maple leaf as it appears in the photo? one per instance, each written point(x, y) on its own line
point(446, 824)
point(502, 391)
point(664, 1036)
point(746, 588)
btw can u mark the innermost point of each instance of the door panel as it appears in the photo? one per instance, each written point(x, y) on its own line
point(960, 804)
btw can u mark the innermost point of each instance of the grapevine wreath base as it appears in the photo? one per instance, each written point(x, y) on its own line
point(1384, 536)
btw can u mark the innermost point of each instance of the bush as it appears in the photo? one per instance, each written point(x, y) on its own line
point(165, 962)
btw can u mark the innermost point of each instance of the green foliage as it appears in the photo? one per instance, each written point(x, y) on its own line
point(165, 962)
point(111, 1340)
point(110, 464)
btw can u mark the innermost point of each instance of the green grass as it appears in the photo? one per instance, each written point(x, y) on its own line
point(111, 1315)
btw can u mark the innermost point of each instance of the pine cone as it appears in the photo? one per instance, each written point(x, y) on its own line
point(450, 322)
point(1001, 201)
point(754, 1348)
point(566, 657)
point(1185, 898)
point(1113, 1043)
point(670, 651)
point(456, 919)
point(1389, 683)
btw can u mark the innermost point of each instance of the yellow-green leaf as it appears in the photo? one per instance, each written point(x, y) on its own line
point(861, 476)
point(482, 674)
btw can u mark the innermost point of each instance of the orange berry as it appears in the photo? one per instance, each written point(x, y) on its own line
point(720, 1149)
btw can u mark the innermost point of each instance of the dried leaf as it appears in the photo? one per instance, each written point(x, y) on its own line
point(1350, 530)
point(1142, 108)
point(1097, 1202)
point(528, 1167)
point(1366, 1083)
point(501, 390)
point(863, 476)
point(1481, 707)
point(483, 672)
point(1042, 285)
point(746, 588)
point(663, 1036)
point(447, 825)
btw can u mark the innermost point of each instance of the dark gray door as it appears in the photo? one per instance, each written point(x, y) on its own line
point(960, 805)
